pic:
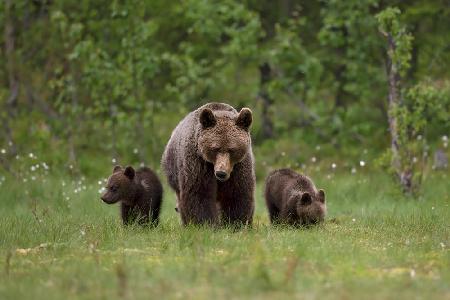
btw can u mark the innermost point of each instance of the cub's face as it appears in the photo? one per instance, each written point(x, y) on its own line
point(224, 140)
point(119, 185)
point(311, 208)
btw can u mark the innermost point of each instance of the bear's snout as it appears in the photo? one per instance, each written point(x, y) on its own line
point(222, 167)
point(106, 199)
point(221, 175)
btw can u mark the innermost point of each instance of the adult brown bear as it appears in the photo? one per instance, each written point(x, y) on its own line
point(209, 162)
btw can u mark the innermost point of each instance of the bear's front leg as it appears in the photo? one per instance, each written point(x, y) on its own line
point(289, 212)
point(197, 203)
point(235, 196)
point(126, 214)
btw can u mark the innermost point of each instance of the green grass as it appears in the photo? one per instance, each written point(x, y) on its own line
point(375, 244)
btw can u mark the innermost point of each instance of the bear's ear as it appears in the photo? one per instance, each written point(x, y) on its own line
point(321, 195)
point(129, 172)
point(117, 168)
point(207, 118)
point(245, 118)
point(306, 199)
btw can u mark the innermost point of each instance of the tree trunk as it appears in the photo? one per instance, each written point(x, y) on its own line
point(11, 69)
point(403, 172)
point(267, 124)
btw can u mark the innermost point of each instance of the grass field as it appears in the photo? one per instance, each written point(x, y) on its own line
point(58, 241)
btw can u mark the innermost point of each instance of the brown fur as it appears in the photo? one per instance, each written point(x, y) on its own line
point(139, 192)
point(209, 163)
point(292, 198)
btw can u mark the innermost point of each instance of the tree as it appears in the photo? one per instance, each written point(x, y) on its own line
point(410, 106)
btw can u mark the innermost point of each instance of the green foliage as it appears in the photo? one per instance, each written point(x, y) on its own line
point(110, 79)
point(390, 25)
point(411, 109)
point(422, 106)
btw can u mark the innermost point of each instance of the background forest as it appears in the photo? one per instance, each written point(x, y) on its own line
point(86, 82)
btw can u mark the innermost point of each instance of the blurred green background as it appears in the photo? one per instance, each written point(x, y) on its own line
point(88, 84)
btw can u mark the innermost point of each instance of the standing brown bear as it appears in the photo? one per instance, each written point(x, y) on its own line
point(292, 198)
point(209, 163)
point(139, 192)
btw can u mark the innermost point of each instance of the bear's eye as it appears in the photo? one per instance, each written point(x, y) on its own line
point(114, 188)
point(236, 154)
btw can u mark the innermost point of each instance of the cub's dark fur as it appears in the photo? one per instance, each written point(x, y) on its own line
point(139, 192)
point(292, 198)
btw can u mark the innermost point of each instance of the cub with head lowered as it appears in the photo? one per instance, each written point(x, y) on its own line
point(139, 192)
point(292, 198)
point(209, 163)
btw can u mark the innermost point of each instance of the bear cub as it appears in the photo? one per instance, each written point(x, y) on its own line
point(292, 199)
point(139, 192)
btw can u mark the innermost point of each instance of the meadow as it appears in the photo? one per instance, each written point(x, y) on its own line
point(59, 241)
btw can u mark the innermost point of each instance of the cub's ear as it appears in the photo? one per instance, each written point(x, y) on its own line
point(117, 168)
point(207, 118)
point(306, 199)
point(245, 118)
point(129, 172)
point(321, 195)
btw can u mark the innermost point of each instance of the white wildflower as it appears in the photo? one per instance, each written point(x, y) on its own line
point(362, 163)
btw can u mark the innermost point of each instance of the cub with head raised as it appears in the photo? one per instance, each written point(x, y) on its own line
point(293, 199)
point(139, 193)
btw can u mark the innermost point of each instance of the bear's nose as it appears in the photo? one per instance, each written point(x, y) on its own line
point(221, 175)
